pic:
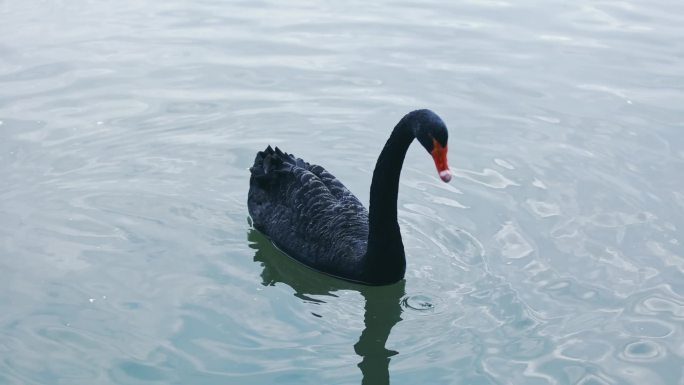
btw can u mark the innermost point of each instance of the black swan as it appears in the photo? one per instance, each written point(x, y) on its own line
point(312, 217)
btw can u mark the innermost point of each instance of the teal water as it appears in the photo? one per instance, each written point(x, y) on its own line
point(555, 255)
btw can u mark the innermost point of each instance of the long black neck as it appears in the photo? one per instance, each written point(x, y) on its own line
point(385, 258)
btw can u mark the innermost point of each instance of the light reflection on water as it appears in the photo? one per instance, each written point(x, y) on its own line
point(555, 256)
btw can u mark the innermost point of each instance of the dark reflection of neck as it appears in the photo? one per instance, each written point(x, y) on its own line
point(382, 309)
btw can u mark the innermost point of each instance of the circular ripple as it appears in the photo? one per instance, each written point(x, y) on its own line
point(641, 351)
point(423, 304)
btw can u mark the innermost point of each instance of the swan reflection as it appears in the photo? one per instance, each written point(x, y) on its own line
point(382, 304)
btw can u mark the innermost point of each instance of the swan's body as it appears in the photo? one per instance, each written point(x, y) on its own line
point(315, 219)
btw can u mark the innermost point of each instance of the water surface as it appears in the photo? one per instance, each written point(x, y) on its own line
point(555, 256)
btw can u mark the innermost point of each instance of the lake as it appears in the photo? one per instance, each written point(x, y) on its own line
point(554, 256)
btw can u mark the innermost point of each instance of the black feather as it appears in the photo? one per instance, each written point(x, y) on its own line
point(307, 213)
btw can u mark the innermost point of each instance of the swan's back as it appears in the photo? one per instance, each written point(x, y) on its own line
point(308, 213)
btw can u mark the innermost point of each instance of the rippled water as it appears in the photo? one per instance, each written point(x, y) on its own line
point(554, 257)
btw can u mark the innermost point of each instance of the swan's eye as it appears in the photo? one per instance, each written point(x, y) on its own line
point(439, 155)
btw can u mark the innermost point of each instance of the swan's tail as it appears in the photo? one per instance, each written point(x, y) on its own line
point(272, 169)
point(269, 161)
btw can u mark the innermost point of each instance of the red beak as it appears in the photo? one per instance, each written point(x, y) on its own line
point(439, 154)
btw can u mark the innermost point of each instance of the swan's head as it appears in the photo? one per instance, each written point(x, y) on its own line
point(432, 133)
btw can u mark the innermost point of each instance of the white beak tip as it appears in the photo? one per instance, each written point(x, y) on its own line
point(445, 175)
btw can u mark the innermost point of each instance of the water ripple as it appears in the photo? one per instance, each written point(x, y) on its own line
point(423, 304)
point(487, 177)
point(641, 351)
point(553, 257)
